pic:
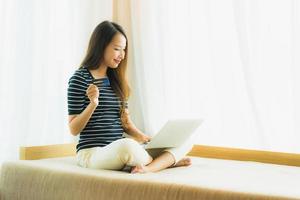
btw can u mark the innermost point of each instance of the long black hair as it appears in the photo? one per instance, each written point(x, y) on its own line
point(100, 39)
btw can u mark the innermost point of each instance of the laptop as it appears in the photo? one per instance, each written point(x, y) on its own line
point(174, 133)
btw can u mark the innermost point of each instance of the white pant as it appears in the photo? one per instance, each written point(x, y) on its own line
point(124, 152)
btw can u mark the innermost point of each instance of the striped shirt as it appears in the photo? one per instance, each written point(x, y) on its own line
point(105, 125)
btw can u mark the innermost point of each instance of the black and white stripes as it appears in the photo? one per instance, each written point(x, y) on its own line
point(104, 125)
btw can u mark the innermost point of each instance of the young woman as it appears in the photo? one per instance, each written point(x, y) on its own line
point(97, 105)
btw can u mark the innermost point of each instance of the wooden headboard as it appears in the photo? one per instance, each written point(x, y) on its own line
point(62, 150)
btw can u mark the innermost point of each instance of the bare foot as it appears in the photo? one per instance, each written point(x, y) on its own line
point(183, 162)
point(144, 169)
point(139, 169)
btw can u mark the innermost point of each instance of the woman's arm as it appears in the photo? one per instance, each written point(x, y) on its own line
point(132, 130)
point(78, 122)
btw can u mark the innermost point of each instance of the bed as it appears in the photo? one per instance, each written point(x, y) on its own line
point(209, 178)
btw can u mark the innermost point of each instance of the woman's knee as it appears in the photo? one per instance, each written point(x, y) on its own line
point(132, 153)
point(128, 144)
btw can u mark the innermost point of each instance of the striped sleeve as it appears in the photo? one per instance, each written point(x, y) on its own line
point(76, 93)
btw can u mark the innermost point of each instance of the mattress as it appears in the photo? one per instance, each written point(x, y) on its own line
point(209, 179)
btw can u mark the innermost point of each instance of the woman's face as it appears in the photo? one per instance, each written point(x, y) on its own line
point(115, 51)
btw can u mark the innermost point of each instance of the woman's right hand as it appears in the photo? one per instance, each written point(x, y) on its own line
point(93, 94)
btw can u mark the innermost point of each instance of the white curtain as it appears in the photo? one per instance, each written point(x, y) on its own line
point(42, 44)
point(233, 63)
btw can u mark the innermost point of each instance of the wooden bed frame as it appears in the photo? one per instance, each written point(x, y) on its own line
point(62, 150)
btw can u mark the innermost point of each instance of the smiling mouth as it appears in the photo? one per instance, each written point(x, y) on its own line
point(117, 61)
